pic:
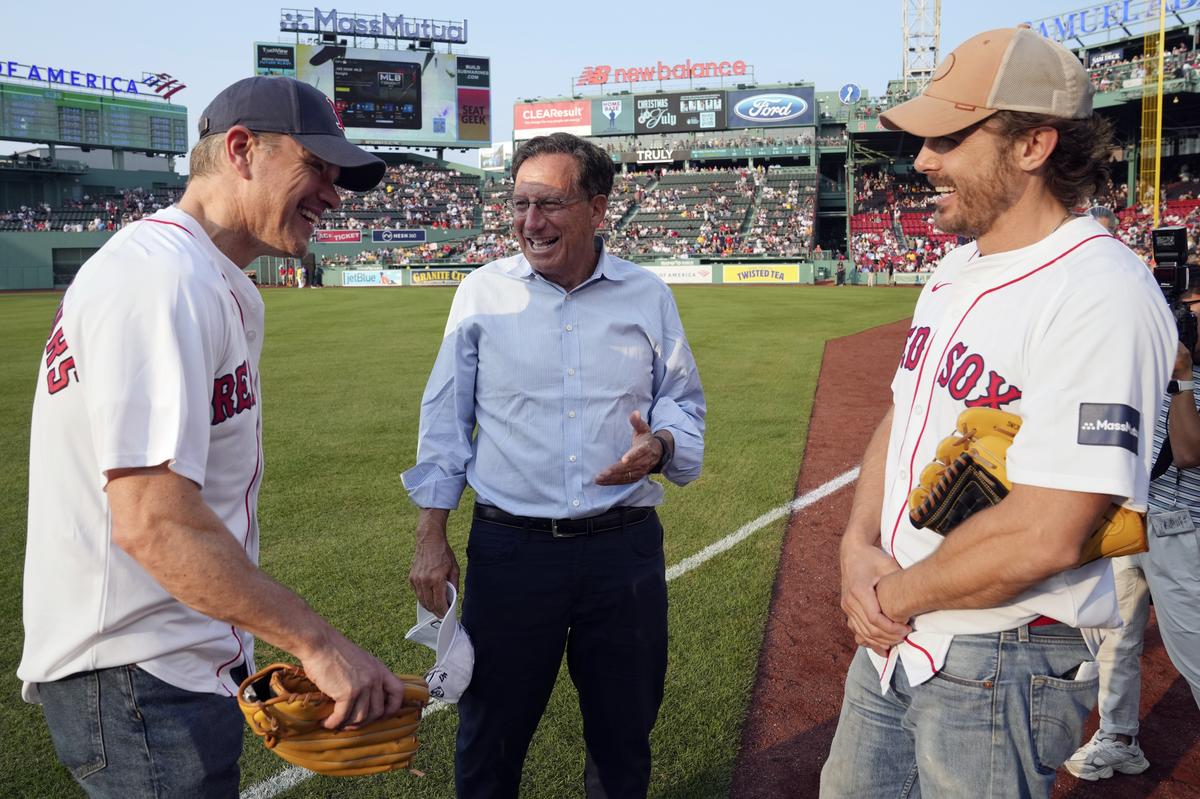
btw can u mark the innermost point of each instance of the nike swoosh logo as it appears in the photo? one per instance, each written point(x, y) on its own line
point(937, 286)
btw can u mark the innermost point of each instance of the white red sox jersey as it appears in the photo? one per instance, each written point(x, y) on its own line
point(152, 358)
point(1071, 334)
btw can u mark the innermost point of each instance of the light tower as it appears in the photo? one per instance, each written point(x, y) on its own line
point(922, 38)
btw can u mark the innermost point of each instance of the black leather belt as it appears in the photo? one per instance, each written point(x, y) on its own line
point(566, 528)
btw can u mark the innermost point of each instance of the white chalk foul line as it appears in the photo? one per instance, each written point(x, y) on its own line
point(745, 531)
point(294, 775)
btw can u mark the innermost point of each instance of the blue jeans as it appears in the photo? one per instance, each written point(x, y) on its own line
point(124, 734)
point(528, 597)
point(995, 723)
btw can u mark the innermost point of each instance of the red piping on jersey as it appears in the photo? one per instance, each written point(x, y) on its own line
point(239, 656)
point(933, 382)
point(172, 224)
point(249, 487)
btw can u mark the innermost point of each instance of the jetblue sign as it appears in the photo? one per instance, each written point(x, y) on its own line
point(773, 108)
point(398, 236)
point(1117, 18)
point(379, 26)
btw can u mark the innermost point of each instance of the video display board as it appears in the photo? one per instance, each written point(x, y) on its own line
point(52, 116)
point(675, 113)
point(410, 97)
point(612, 116)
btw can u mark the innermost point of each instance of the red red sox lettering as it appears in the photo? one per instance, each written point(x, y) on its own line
point(58, 375)
point(961, 373)
point(232, 394)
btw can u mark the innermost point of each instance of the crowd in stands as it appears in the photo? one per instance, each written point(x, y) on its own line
point(892, 227)
point(706, 212)
point(1179, 63)
point(411, 195)
point(700, 140)
point(89, 214)
point(1180, 206)
point(689, 214)
point(834, 141)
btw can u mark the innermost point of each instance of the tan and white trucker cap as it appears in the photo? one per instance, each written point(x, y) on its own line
point(1009, 69)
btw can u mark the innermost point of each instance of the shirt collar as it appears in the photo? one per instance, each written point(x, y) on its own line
point(607, 267)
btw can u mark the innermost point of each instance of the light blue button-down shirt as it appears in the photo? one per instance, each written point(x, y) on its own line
point(531, 393)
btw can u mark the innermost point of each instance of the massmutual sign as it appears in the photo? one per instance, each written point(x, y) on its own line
point(1116, 18)
point(379, 26)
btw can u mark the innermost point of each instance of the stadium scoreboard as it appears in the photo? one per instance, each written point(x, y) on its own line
point(416, 98)
point(59, 116)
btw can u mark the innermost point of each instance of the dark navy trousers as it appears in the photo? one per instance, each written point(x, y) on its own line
point(528, 597)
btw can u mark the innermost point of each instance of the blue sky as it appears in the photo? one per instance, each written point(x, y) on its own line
point(535, 47)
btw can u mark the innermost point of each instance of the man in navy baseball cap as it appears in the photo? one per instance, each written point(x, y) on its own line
point(142, 582)
point(286, 105)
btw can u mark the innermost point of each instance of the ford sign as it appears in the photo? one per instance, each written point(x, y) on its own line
point(771, 108)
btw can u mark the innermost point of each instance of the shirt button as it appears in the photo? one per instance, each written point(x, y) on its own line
point(902, 474)
point(918, 409)
point(571, 459)
point(569, 328)
point(571, 414)
point(575, 502)
point(570, 371)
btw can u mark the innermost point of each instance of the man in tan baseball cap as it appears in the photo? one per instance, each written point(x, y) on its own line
point(972, 676)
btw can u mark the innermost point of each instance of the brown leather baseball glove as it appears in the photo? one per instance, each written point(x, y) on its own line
point(285, 708)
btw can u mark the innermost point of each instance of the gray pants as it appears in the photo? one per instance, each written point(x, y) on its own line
point(1171, 572)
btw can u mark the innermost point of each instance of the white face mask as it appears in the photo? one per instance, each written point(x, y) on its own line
point(451, 673)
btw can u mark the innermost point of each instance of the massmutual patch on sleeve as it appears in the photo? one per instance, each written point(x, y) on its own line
point(1104, 425)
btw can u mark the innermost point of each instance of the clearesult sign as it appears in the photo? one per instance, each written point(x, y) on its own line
point(536, 119)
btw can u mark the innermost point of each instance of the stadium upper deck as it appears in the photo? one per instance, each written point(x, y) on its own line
point(779, 170)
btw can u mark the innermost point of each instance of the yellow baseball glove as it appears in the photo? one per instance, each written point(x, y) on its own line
point(285, 708)
point(970, 474)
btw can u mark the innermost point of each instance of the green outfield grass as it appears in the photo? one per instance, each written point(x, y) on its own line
point(342, 376)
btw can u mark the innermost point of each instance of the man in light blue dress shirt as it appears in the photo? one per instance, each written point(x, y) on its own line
point(563, 381)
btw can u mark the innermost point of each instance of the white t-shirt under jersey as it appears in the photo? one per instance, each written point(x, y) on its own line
point(1071, 334)
point(152, 358)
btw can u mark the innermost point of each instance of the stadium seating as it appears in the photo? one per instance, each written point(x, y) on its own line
point(109, 212)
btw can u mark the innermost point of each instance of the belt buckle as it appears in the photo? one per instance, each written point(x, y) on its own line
point(554, 532)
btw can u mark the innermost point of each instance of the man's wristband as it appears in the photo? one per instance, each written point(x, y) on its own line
point(665, 458)
point(1176, 386)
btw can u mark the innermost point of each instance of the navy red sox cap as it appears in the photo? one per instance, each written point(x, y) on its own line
point(286, 105)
